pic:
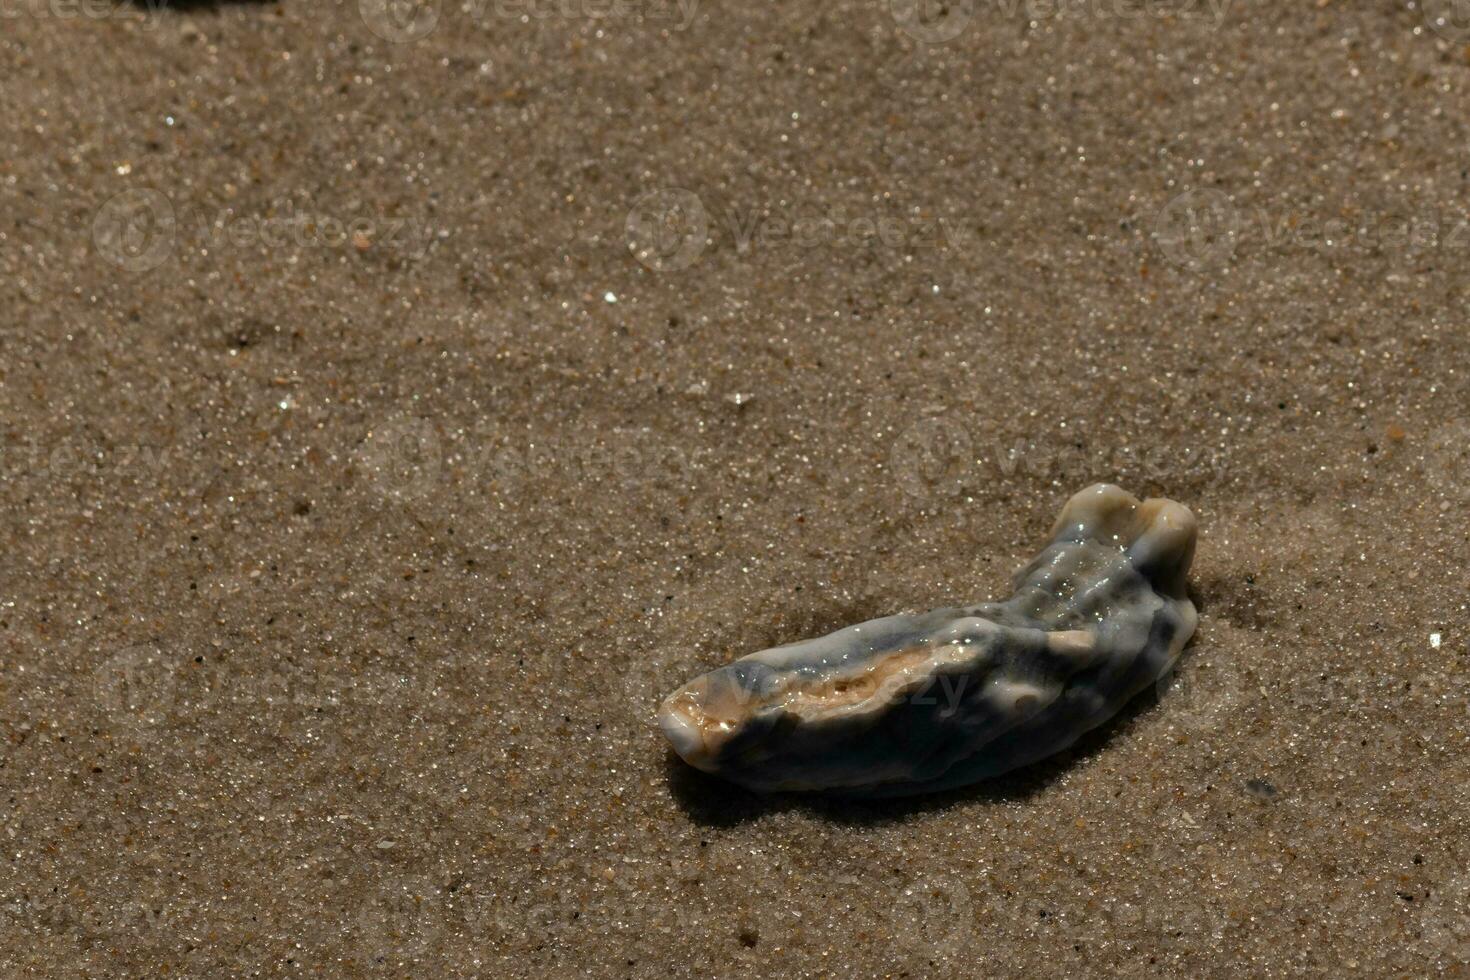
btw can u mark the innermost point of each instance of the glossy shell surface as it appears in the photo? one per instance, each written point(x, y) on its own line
point(913, 703)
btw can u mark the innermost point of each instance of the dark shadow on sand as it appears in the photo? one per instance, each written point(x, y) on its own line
point(190, 6)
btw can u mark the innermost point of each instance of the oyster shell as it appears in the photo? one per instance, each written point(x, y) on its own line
point(913, 703)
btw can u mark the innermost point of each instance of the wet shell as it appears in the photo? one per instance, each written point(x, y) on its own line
point(913, 703)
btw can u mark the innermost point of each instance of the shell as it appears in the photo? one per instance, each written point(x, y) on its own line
point(913, 703)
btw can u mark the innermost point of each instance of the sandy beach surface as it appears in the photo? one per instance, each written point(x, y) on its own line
point(395, 403)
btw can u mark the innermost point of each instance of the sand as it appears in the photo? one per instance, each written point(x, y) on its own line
point(394, 409)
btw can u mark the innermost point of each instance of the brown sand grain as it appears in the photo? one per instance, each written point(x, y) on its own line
point(391, 417)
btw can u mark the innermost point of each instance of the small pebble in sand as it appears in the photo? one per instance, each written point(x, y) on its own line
point(1261, 789)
